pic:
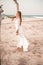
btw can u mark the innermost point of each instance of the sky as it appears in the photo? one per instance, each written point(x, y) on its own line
point(27, 7)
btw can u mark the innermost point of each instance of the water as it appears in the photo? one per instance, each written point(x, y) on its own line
point(27, 16)
point(32, 16)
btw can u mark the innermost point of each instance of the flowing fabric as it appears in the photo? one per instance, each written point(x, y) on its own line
point(22, 41)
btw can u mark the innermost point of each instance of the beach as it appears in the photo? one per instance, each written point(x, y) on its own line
point(33, 31)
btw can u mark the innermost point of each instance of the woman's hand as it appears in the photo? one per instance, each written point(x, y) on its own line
point(17, 32)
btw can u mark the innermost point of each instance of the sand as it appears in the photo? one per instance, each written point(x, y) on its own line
point(33, 30)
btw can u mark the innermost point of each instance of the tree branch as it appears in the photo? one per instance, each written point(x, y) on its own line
point(16, 4)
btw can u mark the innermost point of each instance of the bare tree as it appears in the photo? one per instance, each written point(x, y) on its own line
point(1, 10)
point(16, 4)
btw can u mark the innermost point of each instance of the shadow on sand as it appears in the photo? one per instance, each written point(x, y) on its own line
point(22, 61)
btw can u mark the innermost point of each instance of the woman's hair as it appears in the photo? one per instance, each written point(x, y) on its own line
point(20, 15)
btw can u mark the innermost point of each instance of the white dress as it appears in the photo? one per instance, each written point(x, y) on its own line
point(22, 41)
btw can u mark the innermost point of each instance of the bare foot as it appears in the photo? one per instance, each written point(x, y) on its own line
point(19, 49)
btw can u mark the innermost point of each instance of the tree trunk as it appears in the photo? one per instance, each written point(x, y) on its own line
point(1, 10)
point(17, 5)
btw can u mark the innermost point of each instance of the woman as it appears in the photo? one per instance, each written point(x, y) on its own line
point(22, 41)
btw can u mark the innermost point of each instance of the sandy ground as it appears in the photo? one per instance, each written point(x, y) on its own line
point(33, 30)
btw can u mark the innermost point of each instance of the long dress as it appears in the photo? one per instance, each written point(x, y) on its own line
point(22, 41)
